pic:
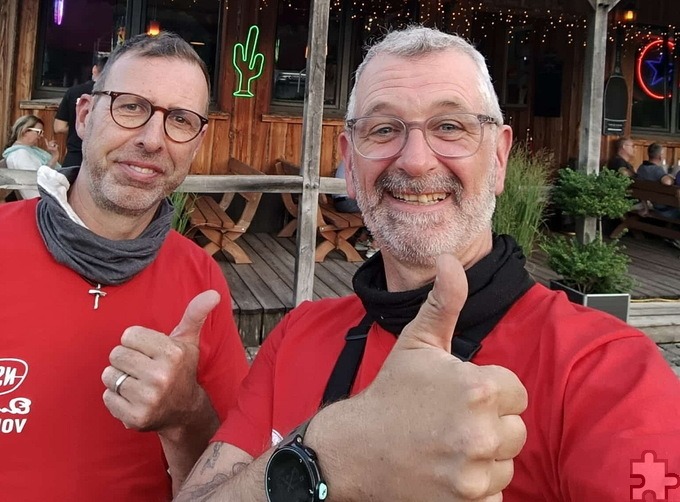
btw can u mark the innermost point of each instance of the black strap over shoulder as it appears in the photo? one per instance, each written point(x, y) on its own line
point(464, 346)
point(346, 367)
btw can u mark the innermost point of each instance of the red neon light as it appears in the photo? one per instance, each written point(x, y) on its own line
point(638, 68)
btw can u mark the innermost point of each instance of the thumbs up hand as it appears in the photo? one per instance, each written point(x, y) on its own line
point(429, 426)
point(161, 391)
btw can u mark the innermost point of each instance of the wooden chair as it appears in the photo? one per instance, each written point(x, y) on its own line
point(333, 226)
point(649, 220)
point(209, 218)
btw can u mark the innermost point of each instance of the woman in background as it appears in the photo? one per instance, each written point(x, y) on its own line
point(22, 150)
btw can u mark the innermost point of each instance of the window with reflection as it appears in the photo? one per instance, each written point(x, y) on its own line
point(74, 33)
point(352, 25)
point(69, 45)
point(196, 21)
point(655, 96)
point(290, 53)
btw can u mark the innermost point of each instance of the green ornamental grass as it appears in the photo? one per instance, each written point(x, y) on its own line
point(520, 208)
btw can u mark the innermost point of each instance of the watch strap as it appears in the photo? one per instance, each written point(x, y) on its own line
point(301, 430)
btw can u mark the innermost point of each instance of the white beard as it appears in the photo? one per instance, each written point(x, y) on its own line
point(418, 239)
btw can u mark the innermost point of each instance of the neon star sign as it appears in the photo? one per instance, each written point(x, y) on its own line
point(653, 68)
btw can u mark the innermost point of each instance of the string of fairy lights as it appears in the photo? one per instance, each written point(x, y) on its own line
point(465, 17)
point(479, 19)
point(636, 37)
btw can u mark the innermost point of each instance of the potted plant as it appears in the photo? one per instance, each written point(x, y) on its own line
point(593, 272)
point(520, 208)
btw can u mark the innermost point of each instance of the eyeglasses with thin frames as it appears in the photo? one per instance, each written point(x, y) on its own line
point(39, 132)
point(454, 135)
point(132, 111)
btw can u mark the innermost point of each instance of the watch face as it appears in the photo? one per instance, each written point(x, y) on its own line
point(288, 479)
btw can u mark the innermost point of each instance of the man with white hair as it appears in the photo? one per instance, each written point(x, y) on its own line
point(426, 152)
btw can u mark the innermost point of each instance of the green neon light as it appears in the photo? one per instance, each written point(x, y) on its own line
point(248, 63)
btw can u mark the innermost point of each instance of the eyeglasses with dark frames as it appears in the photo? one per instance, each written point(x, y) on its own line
point(39, 132)
point(131, 111)
point(454, 135)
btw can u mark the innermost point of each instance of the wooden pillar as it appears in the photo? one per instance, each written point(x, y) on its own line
point(311, 149)
point(9, 19)
point(593, 100)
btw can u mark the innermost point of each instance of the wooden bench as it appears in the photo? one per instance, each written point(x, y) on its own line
point(210, 219)
point(652, 193)
point(334, 227)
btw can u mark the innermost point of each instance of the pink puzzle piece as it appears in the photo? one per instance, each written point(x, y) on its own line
point(656, 480)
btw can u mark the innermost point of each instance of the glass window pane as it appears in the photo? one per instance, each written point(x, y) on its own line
point(196, 21)
point(290, 53)
point(71, 45)
point(653, 82)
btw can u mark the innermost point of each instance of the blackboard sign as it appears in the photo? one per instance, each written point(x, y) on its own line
point(615, 97)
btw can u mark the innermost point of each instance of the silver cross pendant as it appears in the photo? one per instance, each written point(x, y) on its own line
point(97, 292)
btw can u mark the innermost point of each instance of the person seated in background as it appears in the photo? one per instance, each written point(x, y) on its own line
point(653, 169)
point(22, 150)
point(621, 160)
point(345, 204)
point(65, 120)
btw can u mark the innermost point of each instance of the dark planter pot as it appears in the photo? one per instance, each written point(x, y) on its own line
point(615, 304)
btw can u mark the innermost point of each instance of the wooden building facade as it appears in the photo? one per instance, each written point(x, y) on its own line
point(536, 51)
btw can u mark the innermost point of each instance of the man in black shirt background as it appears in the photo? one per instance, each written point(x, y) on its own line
point(621, 160)
point(64, 122)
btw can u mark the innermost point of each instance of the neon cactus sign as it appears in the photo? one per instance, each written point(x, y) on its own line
point(248, 63)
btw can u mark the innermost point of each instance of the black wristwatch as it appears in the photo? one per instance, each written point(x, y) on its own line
point(292, 473)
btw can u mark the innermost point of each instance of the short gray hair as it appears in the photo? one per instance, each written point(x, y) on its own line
point(165, 45)
point(416, 41)
point(654, 151)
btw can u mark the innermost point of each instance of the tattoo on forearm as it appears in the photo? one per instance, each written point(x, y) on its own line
point(238, 467)
point(212, 460)
point(204, 492)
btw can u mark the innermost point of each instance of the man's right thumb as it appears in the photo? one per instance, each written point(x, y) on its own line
point(189, 328)
point(436, 321)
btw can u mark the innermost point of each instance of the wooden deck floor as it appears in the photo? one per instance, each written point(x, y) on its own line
point(262, 292)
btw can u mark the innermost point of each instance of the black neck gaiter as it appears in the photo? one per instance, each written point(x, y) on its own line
point(494, 284)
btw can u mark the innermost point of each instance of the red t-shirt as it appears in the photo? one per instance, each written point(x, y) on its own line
point(58, 440)
point(600, 394)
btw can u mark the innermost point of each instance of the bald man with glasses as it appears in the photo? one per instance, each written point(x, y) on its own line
point(94, 407)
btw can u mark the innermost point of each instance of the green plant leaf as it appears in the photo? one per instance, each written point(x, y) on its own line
point(581, 194)
point(596, 267)
point(183, 204)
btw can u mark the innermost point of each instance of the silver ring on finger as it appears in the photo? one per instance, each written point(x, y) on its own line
point(119, 382)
